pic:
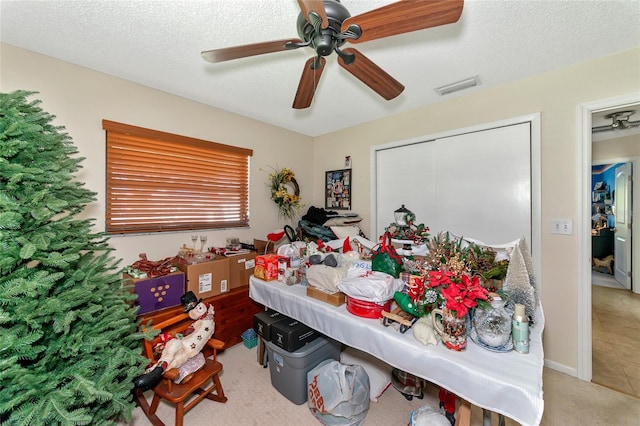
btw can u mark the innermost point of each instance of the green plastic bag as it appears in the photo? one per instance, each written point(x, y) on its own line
point(386, 259)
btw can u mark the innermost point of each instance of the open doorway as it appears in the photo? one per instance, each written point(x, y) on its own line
point(611, 208)
point(590, 153)
point(614, 340)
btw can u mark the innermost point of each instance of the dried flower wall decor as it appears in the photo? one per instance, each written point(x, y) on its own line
point(281, 182)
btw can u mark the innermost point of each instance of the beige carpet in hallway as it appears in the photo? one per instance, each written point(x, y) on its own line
point(254, 402)
point(616, 339)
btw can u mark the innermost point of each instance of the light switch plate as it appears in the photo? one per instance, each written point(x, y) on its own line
point(562, 226)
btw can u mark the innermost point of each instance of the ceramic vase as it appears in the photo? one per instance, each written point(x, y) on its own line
point(452, 330)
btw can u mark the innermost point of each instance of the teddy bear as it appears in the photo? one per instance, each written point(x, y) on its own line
point(177, 351)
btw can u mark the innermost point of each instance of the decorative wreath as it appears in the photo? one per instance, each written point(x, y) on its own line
point(280, 183)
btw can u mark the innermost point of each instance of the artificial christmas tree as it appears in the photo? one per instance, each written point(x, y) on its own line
point(69, 342)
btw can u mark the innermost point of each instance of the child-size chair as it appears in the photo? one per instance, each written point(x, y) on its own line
point(194, 383)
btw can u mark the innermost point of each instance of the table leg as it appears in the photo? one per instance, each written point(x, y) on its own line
point(501, 420)
point(464, 413)
point(262, 352)
point(486, 417)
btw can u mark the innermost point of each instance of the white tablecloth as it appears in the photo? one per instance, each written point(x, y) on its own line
point(507, 383)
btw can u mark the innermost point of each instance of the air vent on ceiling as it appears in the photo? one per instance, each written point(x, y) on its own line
point(458, 85)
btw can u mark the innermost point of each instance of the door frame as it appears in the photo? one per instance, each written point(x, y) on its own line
point(584, 141)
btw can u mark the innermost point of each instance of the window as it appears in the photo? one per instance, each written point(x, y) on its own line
point(159, 182)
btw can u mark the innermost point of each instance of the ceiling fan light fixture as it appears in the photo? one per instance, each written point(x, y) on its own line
point(620, 120)
point(325, 25)
point(458, 85)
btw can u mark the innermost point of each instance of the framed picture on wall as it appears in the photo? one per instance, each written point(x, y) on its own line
point(337, 194)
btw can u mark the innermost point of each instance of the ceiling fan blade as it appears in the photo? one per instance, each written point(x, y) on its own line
point(316, 6)
point(308, 82)
point(403, 17)
point(229, 53)
point(372, 75)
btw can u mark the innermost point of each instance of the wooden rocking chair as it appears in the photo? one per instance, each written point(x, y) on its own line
point(179, 393)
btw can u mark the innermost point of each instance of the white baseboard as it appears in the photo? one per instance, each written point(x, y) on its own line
point(561, 368)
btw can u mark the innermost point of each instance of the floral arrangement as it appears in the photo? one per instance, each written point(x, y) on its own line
point(472, 259)
point(460, 293)
point(454, 276)
point(289, 205)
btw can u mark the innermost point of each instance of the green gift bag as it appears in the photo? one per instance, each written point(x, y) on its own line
point(386, 259)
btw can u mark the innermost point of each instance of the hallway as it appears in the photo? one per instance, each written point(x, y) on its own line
point(616, 339)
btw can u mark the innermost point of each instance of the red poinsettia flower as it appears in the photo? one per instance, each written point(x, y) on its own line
point(472, 288)
point(456, 300)
point(437, 278)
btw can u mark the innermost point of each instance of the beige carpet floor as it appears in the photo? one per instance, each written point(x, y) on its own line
point(254, 401)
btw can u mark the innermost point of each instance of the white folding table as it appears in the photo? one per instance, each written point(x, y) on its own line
point(507, 383)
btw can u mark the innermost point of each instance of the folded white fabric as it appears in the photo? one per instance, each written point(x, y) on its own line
point(370, 286)
point(326, 277)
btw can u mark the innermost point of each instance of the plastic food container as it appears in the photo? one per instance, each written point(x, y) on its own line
point(365, 309)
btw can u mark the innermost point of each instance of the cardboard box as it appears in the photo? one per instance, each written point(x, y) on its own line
point(291, 335)
point(157, 293)
point(207, 279)
point(336, 299)
point(264, 247)
point(241, 267)
point(262, 322)
point(266, 267)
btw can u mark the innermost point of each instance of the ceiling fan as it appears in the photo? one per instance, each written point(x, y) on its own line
point(326, 25)
point(619, 121)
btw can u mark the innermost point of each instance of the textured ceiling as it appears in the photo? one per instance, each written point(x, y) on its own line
point(158, 44)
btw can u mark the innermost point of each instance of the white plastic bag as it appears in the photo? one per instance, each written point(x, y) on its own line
point(370, 286)
point(291, 250)
point(427, 416)
point(338, 393)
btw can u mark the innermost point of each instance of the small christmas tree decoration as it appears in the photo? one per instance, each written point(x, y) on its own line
point(69, 346)
point(518, 283)
point(528, 261)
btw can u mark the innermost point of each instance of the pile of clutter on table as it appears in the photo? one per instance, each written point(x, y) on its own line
point(407, 274)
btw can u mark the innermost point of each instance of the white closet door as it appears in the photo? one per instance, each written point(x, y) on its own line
point(476, 185)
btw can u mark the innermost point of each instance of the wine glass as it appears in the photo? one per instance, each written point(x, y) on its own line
point(203, 241)
point(194, 238)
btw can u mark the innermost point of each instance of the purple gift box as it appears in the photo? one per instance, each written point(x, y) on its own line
point(158, 293)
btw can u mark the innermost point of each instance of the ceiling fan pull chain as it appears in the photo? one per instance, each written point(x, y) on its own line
point(316, 64)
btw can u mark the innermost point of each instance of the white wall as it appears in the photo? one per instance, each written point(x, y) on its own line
point(625, 147)
point(556, 96)
point(80, 98)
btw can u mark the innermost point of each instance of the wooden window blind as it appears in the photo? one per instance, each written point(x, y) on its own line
point(160, 182)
